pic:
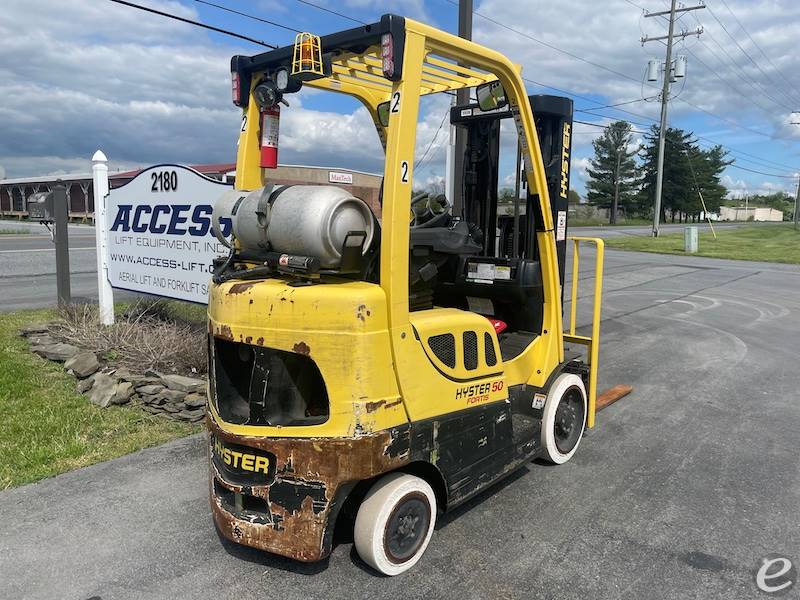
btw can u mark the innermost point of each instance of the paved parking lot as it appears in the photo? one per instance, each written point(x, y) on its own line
point(679, 491)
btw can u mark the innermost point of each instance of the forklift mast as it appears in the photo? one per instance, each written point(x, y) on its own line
point(477, 201)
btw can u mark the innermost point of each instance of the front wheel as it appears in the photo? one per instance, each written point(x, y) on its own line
point(395, 522)
point(564, 418)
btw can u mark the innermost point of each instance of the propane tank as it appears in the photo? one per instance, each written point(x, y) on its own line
point(306, 220)
point(270, 124)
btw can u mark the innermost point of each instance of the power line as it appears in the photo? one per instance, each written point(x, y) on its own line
point(791, 87)
point(333, 12)
point(600, 106)
point(750, 58)
point(249, 16)
point(433, 139)
point(610, 70)
point(737, 69)
point(195, 23)
point(729, 85)
point(673, 142)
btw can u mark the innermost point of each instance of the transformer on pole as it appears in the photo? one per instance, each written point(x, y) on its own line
point(672, 71)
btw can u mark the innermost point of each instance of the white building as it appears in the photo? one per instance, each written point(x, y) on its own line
point(749, 213)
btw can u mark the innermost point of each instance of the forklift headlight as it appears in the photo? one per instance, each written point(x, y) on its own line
point(287, 84)
point(387, 54)
point(282, 79)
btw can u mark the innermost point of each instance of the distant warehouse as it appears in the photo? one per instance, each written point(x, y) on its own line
point(14, 193)
point(749, 213)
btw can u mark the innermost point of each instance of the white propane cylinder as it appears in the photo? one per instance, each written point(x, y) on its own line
point(306, 220)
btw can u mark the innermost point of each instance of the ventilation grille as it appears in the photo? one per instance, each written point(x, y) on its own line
point(470, 350)
point(444, 348)
point(491, 357)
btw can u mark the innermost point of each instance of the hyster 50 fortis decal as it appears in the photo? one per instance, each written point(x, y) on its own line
point(481, 392)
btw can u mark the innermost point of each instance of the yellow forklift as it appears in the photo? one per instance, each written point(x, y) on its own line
point(379, 372)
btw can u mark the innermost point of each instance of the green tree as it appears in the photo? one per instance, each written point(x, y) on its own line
point(613, 178)
point(573, 197)
point(688, 172)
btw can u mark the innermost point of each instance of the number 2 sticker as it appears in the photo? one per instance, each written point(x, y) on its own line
point(395, 102)
point(404, 171)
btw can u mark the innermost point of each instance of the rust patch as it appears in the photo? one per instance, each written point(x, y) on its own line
point(300, 500)
point(248, 339)
point(224, 332)
point(238, 288)
point(395, 403)
point(360, 311)
point(260, 341)
point(302, 348)
point(373, 406)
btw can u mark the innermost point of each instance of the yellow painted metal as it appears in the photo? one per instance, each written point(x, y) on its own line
point(307, 55)
point(429, 386)
point(352, 315)
point(573, 307)
point(593, 342)
point(249, 175)
point(429, 64)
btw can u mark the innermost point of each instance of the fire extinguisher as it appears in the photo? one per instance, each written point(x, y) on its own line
point(270, 122)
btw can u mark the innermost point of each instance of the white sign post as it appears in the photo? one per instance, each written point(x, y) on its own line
point(105, 294)
point(160, 239)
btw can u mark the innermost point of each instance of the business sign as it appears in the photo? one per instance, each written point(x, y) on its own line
point(159, 232)
point(337, 177)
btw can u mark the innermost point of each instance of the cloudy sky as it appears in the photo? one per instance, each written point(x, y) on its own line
point(87, 74)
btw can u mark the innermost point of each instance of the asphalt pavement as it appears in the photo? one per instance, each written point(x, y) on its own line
point(678, 492)
point(27, 261)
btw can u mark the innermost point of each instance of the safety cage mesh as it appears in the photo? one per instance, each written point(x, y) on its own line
point(491, 357)
point(470, 350)
point(443, 347)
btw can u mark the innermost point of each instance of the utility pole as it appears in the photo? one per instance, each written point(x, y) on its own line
point(668, 74)
point(796, 201)
point(462, 97)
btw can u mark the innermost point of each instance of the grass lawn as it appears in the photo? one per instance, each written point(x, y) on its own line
point(575, 222)
point(769, 243)
point(19, 231)
point(48, 428)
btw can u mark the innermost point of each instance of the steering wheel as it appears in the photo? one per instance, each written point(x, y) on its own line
point(429, 211)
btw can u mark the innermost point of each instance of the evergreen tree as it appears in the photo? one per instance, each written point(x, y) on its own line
point(613, 180)
point(687, 170)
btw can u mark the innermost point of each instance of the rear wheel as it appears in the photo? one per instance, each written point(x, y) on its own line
point(395, 522)
point(564, 418)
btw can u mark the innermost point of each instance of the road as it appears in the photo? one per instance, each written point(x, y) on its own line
point(27, 261)
point(27, 266)
point(678, 492)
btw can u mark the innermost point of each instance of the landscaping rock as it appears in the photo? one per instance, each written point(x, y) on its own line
point(58, 351)
point(195, 400)
point(191, 415)
point(34, 329)
point(182, 383)
point(149, 390)
point(82, 364)
point(122, 393)
point(141, 380)
point(172, 396)
point(84, 385)
point(41, 339)
point(153, 373)
point(103, 390)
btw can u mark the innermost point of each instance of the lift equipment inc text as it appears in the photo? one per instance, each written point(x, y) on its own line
point(160, 240)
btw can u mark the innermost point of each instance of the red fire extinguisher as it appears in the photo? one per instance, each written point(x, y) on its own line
point(270, 122)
